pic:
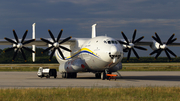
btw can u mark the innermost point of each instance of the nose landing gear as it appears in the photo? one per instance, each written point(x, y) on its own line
point(104, 76)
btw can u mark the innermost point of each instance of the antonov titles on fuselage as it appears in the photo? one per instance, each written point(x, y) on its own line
point(99, 54)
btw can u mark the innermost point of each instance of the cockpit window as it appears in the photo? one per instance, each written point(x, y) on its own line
point(116, 42)
point(111, 42)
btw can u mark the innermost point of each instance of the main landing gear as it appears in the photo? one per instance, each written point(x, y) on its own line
point(103, 74)
point(98, 75)
point(69, 75)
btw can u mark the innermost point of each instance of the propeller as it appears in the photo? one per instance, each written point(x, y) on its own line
point(55, 44)
point(163, 47)
point(19, 46)
point(131, 45)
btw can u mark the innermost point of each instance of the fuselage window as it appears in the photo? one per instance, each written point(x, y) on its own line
point(105, 42)
point(112, 42)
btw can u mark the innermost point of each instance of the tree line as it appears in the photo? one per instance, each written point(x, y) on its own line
point(44, 58)
point(40, 58)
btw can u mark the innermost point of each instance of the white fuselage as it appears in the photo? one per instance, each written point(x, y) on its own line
point(98, 53)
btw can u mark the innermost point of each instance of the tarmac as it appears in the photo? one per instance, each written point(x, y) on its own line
point(127, 79)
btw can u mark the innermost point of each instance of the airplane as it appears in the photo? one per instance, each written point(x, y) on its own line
point(100, 55)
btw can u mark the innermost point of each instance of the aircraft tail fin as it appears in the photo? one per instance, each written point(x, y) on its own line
point(93, 30)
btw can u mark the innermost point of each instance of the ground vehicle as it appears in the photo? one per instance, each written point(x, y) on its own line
point(46, 72)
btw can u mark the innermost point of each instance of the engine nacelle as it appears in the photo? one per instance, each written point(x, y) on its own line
point(155, 45)
point(124, 46)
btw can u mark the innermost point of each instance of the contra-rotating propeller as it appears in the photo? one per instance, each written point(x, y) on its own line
point(131, 45)
point(55, 45)
point(19, 46)
point(163, 46)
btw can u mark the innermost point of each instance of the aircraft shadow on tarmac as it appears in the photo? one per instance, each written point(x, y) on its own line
point(158, 78)
point(131, 78)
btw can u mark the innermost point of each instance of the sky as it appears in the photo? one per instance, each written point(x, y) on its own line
point(76, 17)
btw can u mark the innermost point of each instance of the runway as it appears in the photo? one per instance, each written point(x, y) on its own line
point(129, 79)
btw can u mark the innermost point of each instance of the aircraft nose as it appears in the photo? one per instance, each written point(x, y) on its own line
point(113, 50)
point(114, 53)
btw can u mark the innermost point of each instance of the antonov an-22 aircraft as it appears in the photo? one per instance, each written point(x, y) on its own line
point(99, 54)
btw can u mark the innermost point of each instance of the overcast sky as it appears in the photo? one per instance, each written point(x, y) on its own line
point(77, 16)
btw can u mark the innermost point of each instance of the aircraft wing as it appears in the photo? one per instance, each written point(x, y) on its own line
point(37, 42)
point(148, 43)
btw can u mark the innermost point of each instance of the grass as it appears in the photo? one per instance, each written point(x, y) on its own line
point(126, 67)
point(26, 67)
point(151, 67)
point(91, 94)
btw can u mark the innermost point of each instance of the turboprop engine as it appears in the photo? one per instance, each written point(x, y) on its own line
point(155, 45)
point(158, 46)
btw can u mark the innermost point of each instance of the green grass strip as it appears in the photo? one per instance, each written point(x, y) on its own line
point(91, 94)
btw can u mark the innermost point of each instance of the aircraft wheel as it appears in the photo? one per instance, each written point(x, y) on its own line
point(103, 76)
point(64, 75)
point(98, 75)
point(71, 75)
point(74, 75)
point(68, 75)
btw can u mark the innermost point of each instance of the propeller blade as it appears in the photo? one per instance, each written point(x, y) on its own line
point(47, 41)
point(59, 36)
point(47, 49)
point(23, 55)
point(134, 35)
point(171, 52)
point(135, 53)
point(121, 42)
point(139, 39)
point(168, 55)
point(52, 54)
point(61, 54)
point(15, 35)
point(159, 52)
point(155, 51)
point(129, 53)
point(11, 41)
point(159, 40)
point(124, 36)
point(52, 36)
point(9, 49)
point(170, 39)
point(155, 39)
point(29, 41)
point(24, 36)
point(141, 48)
point(15, 54)
point(65, 48)
point(28, 49)
point(65, 40)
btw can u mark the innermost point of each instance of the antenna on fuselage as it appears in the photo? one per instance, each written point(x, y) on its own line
point(93, 31)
